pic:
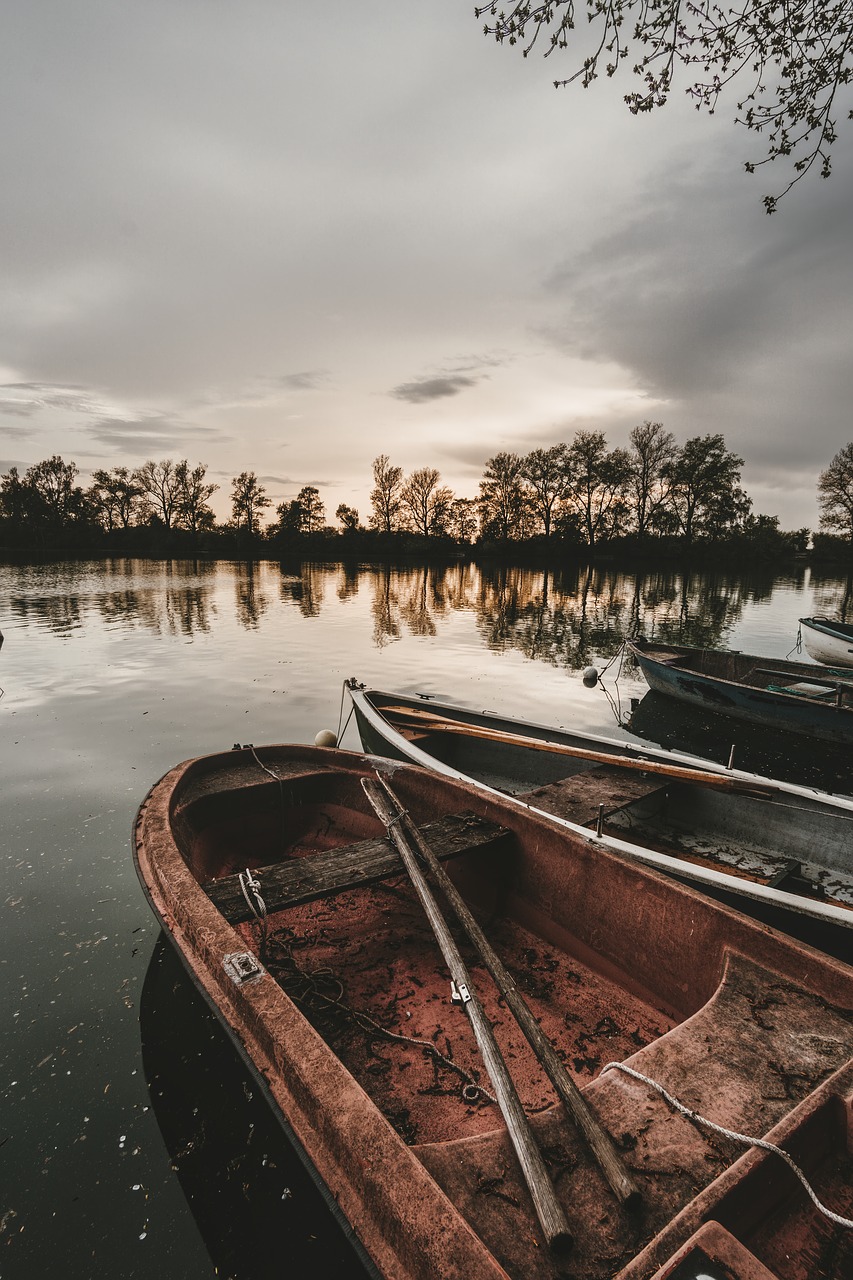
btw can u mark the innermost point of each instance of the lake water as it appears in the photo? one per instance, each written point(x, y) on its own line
point(139, 1151)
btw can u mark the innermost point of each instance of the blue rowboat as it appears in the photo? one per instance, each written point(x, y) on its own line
point(793, 696)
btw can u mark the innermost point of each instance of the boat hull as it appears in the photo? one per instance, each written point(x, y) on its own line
point(800, 823)
point(690, 981)
point(769, 708)
point(828, 642)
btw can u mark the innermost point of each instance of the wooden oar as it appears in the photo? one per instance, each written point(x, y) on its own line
point(596, 1135)
point(549, 1211)
point(681, 773)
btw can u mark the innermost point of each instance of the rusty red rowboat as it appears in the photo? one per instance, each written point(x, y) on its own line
point(290, 907)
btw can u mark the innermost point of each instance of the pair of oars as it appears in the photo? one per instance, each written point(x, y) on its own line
point(404, 832)
point(414, 718)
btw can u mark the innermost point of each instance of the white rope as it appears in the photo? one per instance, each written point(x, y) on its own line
point(737, 1137)
point(248, 882)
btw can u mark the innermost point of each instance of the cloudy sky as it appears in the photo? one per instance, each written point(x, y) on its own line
point(288, 237)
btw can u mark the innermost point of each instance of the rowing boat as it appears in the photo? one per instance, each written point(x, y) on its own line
point(828, 641)
point(797, 697)
point(780, 845)
point(286, 899)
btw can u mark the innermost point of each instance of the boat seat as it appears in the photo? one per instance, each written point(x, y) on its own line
point(803, 690)
point(577, 798)
point(310, 876)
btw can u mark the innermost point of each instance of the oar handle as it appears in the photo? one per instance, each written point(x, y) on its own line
point(597, 1137)
point(549, 1211)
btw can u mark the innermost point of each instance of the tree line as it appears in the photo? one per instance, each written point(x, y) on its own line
point(579, 494)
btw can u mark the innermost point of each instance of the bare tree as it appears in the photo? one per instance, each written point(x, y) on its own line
point(427, 501)
point(385, 494)
point(835, 494)
point(160, 489)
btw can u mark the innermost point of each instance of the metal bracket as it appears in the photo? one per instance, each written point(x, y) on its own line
point(241, 966)
point(460, 994)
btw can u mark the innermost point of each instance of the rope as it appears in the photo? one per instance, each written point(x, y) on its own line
point(798, 643)
point(248, 884)
point(615, 707)
point(367, 1023)
point(743, 1138)
point(341, 731)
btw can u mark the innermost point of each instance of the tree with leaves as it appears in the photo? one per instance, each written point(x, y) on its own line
point(835, 494)
point(15, 498)
point(55, 497)
point(289, 522)
point(503, 502)
point(194, 491)
point(248, 500)
point(596, 483)
point(347, 518)
point(385, 494)
point(113, 497)
point(792, 57)
point(313, 509)
point(705, 494)
point(462, 520)
point(545, 472)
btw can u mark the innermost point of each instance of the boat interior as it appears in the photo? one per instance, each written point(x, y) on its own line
point(617, 965)
point(800, 679)
point(733, 830)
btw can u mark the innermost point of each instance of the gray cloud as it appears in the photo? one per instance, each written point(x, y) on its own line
point(310, 380)
point(422, 390)
point(304, 198)
point(24, 399)
point(152, 434)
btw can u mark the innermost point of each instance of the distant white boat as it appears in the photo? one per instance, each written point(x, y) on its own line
point(828, 641)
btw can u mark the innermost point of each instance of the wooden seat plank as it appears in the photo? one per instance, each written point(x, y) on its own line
point(578, 797)
point(317, 875)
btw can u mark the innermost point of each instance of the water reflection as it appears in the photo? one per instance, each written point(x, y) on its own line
point(251, 600)
point(257, 1210)
point(307, 589)
point(833, 597)
point(563, 617)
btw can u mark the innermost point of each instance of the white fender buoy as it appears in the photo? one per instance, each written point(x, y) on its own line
point(590, 677)
point(325, 738)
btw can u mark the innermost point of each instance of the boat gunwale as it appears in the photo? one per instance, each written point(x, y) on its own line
point(652, 859)
point(829, 626)
point(455, 1245)
point(263, 994)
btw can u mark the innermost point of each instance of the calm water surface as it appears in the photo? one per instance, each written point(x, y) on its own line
point(112, 1077)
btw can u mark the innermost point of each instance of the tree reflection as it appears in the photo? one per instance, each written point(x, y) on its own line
point(833, 597)
point(251, 601)
point(307, 589)
point(165, 598)
point(574, 618)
